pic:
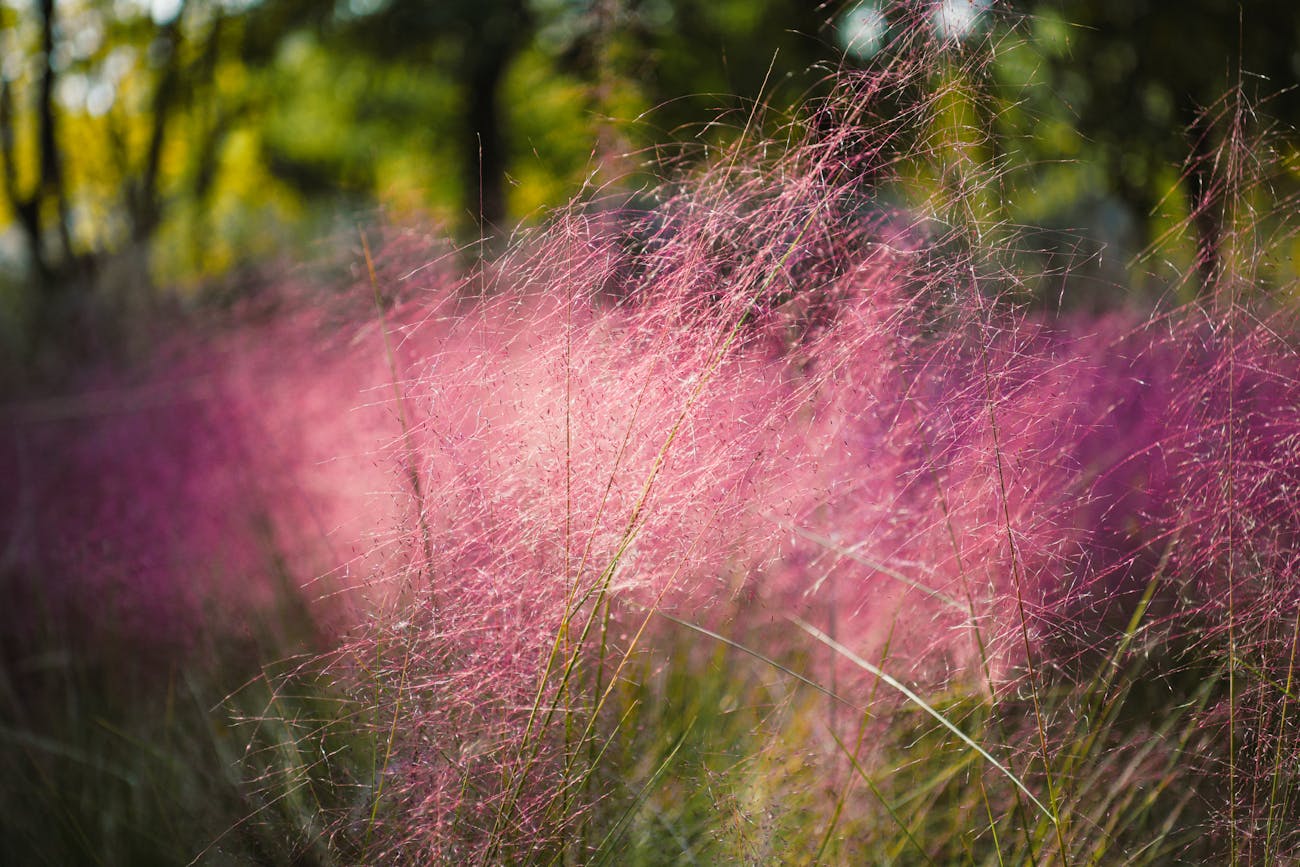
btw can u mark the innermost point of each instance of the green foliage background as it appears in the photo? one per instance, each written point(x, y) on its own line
point(189, 139)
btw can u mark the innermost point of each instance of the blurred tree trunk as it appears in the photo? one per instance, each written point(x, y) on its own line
point(51, 181)
point(497, 33)
point(485, 158)
point(144, 203)
point(31, 207)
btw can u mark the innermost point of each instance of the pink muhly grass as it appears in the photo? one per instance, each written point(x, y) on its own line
point(761, 400)
point(770, 400)
point(766, 398)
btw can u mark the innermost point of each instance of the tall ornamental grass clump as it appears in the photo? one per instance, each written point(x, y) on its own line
point(765, 517)
point(966, 579)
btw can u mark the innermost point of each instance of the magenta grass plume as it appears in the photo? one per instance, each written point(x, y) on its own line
point(770, 398)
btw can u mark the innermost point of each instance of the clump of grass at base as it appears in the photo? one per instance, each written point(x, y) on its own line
point(111, 755)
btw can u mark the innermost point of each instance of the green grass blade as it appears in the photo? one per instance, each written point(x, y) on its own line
point(911, 696)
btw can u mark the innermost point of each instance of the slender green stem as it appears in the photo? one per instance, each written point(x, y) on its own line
point(911, 696)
